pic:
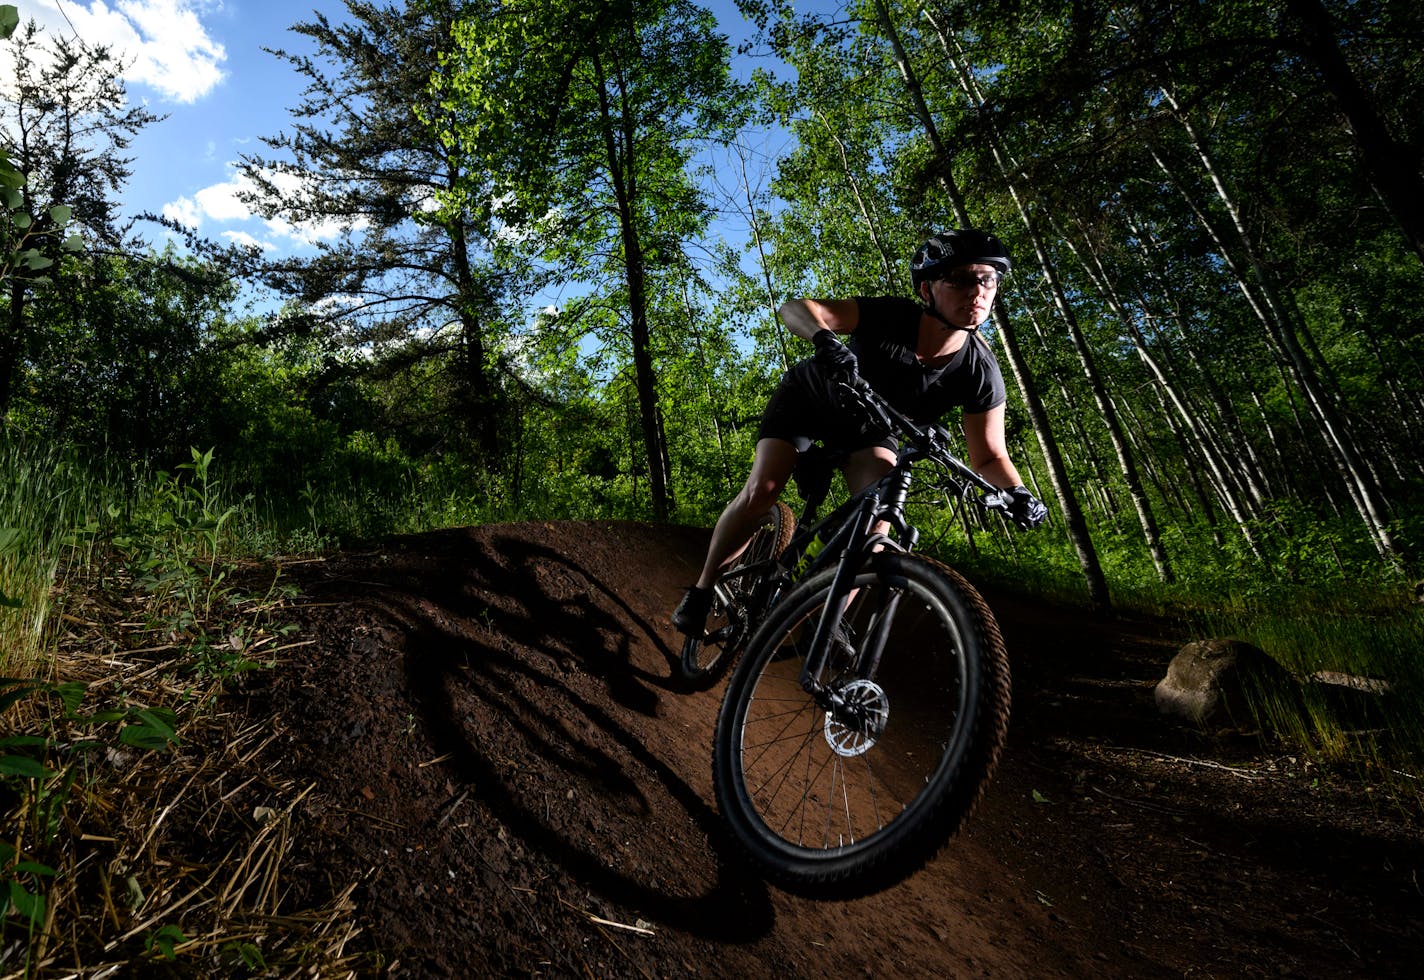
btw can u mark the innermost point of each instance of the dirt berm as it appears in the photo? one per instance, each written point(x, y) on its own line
point(497, 755)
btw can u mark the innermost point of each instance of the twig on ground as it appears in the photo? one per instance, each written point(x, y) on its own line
point(1234, 770)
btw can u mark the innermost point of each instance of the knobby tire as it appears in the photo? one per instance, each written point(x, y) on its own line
point(835, 809)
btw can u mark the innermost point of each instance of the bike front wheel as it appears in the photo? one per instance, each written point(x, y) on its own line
point(849, 794)
point(705, 657)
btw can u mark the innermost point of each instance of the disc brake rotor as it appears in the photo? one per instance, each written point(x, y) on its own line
point(857, 719)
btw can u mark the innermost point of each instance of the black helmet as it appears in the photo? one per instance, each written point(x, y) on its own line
point(956, 247)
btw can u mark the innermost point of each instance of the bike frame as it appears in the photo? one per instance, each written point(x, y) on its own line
point(853, 537)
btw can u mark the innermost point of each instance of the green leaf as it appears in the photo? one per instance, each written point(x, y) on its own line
point(71, 694)
point(19, 741)
point(35, 868)
point(9, 19)
point(24, 767)
point(251, 956)
point(1040, 798)
point(31, 258)
point(60, 214)
point(154, 731)
point(21, 690)
point(30, 906)
point(165, 938)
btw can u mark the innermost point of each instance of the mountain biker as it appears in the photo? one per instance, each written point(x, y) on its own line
point(925, 358)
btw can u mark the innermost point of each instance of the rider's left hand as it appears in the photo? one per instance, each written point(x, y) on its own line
point(1027, 510)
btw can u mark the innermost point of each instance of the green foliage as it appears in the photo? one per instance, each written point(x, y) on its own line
point(23, 237)
point(167, 550)
point(410, 296)
point(581, 122)
point(1360, 631)
point(493, 359)
point(121, 357)
point(44, 496)
point(40, 774)
point(165, 939)
point(173, 539)
point(247, 955)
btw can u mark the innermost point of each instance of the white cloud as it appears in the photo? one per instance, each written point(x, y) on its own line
point(244, 239)
point(185, 211)
point(222, 204)
point(163, 43)
point(310, 232)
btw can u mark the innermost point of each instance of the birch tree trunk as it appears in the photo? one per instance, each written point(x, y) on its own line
point(1363, 490)
point(1126, 464)
point(773, 301)
point(1092, 265)
point(1077, 527)
point(887, 267)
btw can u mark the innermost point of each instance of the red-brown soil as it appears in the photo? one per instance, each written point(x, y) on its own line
point(499, 756)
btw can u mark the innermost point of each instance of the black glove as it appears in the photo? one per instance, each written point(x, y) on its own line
point(1027, 510)
point(834, 357)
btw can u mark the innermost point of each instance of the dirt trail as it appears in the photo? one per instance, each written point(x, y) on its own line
point(499, 756)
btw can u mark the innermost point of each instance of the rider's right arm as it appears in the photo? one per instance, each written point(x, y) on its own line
point(805, 317)
point(988, 450)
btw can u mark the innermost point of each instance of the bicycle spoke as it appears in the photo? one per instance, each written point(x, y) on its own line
point(824, 778)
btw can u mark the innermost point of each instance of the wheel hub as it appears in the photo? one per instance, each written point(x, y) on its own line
point(856, 718)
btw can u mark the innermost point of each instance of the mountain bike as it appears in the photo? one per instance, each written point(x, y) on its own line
point(870, 703)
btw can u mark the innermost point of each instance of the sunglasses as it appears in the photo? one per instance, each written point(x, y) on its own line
point(961, 279)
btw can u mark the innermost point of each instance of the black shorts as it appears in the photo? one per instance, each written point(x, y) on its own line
point(805, 409)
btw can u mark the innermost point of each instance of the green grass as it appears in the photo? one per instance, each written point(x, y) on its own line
point(1373, 635)
point(1367, 626)
point(44, 497)
point(164, 549)
point(184, 531)
point(125, 562)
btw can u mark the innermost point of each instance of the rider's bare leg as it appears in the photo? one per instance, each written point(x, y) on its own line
point(771, 469)
point(864, 466)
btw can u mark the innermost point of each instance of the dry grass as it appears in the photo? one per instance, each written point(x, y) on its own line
point(168, 862)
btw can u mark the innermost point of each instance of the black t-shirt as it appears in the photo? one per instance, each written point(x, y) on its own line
point(884, 342)
point(804, 408)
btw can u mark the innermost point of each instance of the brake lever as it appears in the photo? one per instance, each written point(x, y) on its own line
point(871, 403)
point(997, 500)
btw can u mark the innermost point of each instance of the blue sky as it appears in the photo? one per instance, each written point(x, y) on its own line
point(201, 63)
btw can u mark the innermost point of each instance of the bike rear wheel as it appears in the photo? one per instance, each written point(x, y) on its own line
point(705, 658)
point(846, 800)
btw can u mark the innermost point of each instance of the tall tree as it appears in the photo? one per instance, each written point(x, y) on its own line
point(1207, 145)
point(65, 123)
point(589, 113)
point(409, 276)
point(966, 75)
point(126, 361)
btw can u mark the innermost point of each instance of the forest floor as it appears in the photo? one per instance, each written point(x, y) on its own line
point(493, 752)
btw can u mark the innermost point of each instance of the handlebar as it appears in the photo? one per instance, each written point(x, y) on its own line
point(929, 442)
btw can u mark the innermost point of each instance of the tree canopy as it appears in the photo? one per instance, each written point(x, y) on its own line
point(560, 256)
